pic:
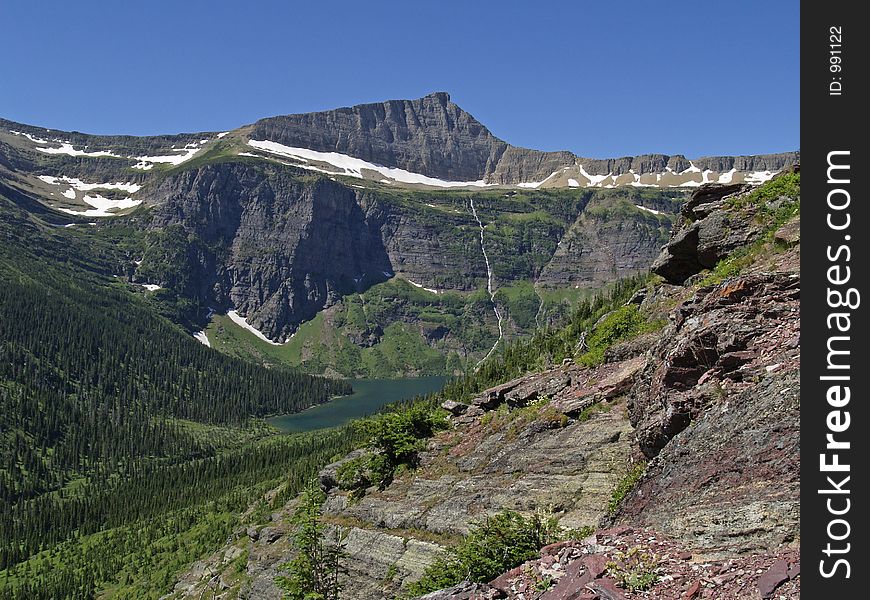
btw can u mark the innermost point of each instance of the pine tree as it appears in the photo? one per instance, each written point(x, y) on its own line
point(314, 573)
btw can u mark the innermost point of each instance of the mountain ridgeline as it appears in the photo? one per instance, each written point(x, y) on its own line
point(435, 137)
point(385, 239)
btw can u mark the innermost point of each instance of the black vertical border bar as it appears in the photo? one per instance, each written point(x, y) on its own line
point(833, 123)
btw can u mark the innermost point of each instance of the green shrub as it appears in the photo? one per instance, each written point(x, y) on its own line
point(634, 570)
point(788, 185)
point(499, 543)
point(397, 438)
point(621, 324)
point(356, 475)
point(625, 485)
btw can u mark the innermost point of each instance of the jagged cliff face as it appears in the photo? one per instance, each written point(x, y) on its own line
point(279, 246)
point(274, 247)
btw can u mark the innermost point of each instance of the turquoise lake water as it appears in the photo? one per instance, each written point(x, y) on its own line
point(368, 396)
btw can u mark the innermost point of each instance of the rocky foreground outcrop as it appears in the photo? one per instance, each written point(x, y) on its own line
point(597, 568)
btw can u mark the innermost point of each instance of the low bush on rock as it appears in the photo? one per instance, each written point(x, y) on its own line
point(497, 544)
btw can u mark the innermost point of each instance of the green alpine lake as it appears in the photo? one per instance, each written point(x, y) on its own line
point(369, 395)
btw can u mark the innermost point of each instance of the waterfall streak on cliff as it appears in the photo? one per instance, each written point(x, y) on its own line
point(488, 287)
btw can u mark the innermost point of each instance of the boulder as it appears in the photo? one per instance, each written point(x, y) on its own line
point(492, 397)
point(533, 388)
point(790, 233)
point(465, 591)
point(775, 576)
point(454, 408)
point(709, 197)
point(328, 476)
point(270, 534)
point(594, 385)
point(711, 232)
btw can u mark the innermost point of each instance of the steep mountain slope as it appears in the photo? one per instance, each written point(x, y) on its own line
point(115, 425)
point(671, 417)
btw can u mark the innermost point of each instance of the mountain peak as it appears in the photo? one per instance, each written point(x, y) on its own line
point(442, 97)
point(429, 135)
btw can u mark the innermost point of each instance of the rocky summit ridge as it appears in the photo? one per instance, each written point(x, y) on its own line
point(433, 136)
point(671, 451)
point(426, 142)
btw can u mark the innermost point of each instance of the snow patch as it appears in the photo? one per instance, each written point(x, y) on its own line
point(727, 177)
point(343, 164)
point(202, 338)
point(535, 184)
point(692, 169)
point(147, 162)
point(78, 184)
point(222, 134)
point(594, 180)
point(573, 183)
point(151, 287)
point(32, 138)
point(239, 320)
point(67, 148)
point(102, 206)
point(420, 285)
point(760, 176)
point(649, 210)
point(69, 193)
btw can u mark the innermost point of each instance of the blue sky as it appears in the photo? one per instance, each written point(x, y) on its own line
point(599, 78)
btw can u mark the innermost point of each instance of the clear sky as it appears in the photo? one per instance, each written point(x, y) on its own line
point(599, 78)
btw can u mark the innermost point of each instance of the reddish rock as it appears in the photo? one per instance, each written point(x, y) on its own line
point(596, 564)
point(492, 397)
point(555, 548)
point(693, 591)
point(790, 233)
point(572, 583)
point(794, 570)
point(593, 385)
point(607, 589)
point(685, 556)
point(544, 385)
point(773, 578)
point(503, 581)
